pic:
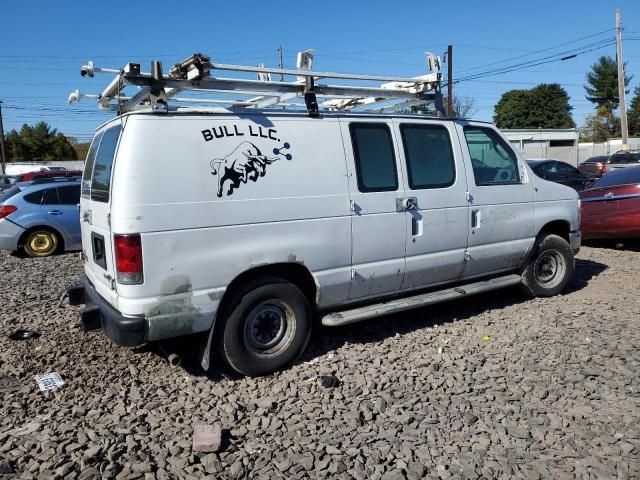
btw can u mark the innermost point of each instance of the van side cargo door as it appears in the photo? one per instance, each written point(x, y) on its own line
point(435, 180)
point(378, 224)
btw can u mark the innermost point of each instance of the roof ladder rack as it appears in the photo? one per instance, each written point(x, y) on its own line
point(194, 74)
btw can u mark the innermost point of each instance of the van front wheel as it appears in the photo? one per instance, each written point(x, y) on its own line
point(550, 268)
point(267, 327)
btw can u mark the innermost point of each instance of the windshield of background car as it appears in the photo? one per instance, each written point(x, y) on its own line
point(624, 176)
point(626, 157)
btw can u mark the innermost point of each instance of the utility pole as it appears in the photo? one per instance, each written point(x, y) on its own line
point(623, 107)
point(3, 158)
point(281, 63)
point(450, 80)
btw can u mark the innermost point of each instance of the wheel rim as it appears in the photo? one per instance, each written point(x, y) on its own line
point(269, 328)
point(549, 268)
point(42, 243)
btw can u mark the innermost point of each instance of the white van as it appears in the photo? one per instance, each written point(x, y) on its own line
point(251, 225)
point(248, 224)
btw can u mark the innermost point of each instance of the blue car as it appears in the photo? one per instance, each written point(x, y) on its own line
point(41, 217)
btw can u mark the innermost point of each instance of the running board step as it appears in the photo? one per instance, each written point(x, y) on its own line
point(401, 304)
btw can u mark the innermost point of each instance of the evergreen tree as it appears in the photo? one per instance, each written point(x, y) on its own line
point(38, 142)
point(602, 83)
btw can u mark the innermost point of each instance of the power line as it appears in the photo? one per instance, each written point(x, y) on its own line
point(538, 51)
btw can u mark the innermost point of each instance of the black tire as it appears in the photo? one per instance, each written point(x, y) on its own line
point(550, 268)
point(265, 327)
point(41, 242)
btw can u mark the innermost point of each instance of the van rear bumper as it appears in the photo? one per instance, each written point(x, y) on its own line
point(98, 313)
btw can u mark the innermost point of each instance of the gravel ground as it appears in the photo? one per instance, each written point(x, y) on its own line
point(496, 386)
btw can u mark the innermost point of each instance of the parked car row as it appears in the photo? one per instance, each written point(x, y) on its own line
point(561, 172)
point(599, 165)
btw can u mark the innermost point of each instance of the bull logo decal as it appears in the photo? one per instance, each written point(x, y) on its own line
point(246, 162)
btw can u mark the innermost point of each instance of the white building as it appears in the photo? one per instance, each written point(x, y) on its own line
point(556, 143)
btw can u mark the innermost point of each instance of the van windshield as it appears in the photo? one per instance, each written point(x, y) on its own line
point(102, 161)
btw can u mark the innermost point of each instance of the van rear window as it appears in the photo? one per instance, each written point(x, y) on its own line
point(101, 177)
point(88, 165)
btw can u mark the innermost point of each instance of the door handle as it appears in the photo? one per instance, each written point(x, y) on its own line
point(54, 212)
point(475, 218)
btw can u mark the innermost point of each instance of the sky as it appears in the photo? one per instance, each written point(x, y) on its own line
point(43, 45)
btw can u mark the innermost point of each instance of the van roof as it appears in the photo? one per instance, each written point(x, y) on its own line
point(228, 112)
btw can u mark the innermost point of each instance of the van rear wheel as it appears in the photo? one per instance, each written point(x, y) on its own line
point(266, 327)
point(550, 268)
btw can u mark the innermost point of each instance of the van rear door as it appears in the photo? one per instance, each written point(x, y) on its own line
point(95, 205)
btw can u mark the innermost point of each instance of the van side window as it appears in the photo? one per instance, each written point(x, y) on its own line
point(493, 161)
point(429, 157)
point(375, 160)
point(101, 180)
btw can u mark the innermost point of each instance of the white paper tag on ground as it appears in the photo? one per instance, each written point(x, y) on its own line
point(49, 381)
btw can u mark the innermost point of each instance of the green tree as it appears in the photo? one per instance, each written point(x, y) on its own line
point(602, 83)
point(633, 115)
point(543, 106)
point(39, 142)
point(600, 126)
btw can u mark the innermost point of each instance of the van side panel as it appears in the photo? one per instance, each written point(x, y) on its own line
point(214, 196)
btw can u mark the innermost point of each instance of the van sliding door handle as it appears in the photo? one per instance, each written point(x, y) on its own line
point(475, 218)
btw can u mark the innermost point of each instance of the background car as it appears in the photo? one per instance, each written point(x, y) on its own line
point(623, 159)
point(561, 172)
point(41, 217)
point(594, 166)
point(611, 207)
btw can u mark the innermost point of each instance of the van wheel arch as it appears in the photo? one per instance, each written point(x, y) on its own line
point(560, 228)
point(295, 273)
point(23, 238)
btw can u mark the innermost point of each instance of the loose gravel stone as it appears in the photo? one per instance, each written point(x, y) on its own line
point(497, 385)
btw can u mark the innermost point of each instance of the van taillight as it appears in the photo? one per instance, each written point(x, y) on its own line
point(6, 210)
point(128, 250)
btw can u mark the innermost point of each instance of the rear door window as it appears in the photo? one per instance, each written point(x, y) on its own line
point(375, 160)
point(101, 178)
point(88, 165)
point(69, 195)
point(50, 197)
